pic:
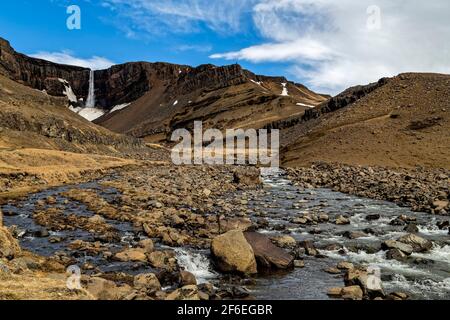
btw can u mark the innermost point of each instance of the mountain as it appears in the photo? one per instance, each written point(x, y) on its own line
point(402, 121)
point(150, 100)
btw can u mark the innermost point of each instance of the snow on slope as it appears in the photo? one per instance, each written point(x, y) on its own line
point(68, 90)
point(91, 113)
point(305, 105)
point(285, 90)
point(119, 107)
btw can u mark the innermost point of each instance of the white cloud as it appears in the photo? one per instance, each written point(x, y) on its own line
point(66, 57)
point(182, 16)
point(330, 45)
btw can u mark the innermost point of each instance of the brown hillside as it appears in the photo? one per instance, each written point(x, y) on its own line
point(404, 122)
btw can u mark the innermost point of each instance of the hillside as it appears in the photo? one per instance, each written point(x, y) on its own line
point(399, 122)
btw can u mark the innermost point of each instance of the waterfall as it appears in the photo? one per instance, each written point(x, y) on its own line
point(90, 102)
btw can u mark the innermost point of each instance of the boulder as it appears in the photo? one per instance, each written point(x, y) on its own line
point(185, 293)
point(134, 255)
point(187, 278)
point(335, 292)
point(233, 253)
point(162, 259)
point(268, 256)
point(247, 177)
point(147, 281)
point(147, 245)
point(9, 246)
point(352, 293)
point(285, 241)
point(102, 289)
point(418, 244)
point(369, 284)
point(395, 254)
point(403, 247)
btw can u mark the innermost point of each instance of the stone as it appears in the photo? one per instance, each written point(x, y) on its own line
point(229, 224)
point(392, 244)
point(373, 217)
point(147, 281)
point(97, 219)
point(344, 265)
point(396, 254)
point(268, 256)
point(299, 264)
point(411, 228)
point(361, 278)
point(247, 177)
point(352, 293)
point(185, 293)
point(333, 271)
point(187, 278)
point(233, 253)
point(418, 244)
point(147, 245)
point(440, 205)
point(341, 220)
point(335, 292)
point(354, 234)
point(285, 241)
point(134, 255)
point(102, 289)
point(9, 246)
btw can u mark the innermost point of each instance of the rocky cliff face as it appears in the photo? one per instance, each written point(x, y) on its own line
point(41, 74)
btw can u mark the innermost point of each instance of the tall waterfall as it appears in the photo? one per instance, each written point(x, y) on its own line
point(90, 102)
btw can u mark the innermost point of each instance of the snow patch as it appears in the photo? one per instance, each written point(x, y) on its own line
point(175, 103)
point(285, 91)
point(91, 113)
point(256, 82)
point(68, 90)
point(119, 107)
point(305, 105)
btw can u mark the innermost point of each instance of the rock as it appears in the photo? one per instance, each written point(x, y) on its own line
point(333, 271)
point(97, 219)
point(242, 224)
point(185, 293)
point(396, 254)
point(418, 244)
point(442, 225)
point(102, 289)
point(392, 244)
point(285, 241)
point(309, 247)
point(162, 259)
point(247, 177)
point(344, 265)
point(135, 255)
point(147, 281)
point(354, 234)
point(411, 228)
point(440, 205)
point(187, 278)
point(370, 284)
point(42, 233)
point(206, 192)
point(9, 246)
point(147, 245)
point(268, 255)
point(299, 264)
point(335, 292)
point(233, 253)
point(400, 295)
point(341, 220)
point(352, 293)
point(372, 217)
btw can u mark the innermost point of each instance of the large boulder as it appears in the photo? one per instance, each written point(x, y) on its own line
point(233, 253)
point(102, 289)
point(268, 256)
point(403, 247)
point(134, 255)
point(147, 281)
point(9, 246)
point(419, 244)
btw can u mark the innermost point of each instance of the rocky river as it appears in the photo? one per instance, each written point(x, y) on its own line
point(324, 230)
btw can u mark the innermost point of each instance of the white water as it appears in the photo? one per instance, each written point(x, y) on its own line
point(90, 102)
point(195, 263)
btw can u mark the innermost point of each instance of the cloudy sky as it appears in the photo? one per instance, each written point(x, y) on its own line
point(328, 45)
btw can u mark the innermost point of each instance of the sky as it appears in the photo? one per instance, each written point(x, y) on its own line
point(328, 45)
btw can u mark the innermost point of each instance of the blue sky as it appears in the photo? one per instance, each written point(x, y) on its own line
point(315, 42)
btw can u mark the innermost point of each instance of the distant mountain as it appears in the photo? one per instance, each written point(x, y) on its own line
point(149, 100)
point(398, 122)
